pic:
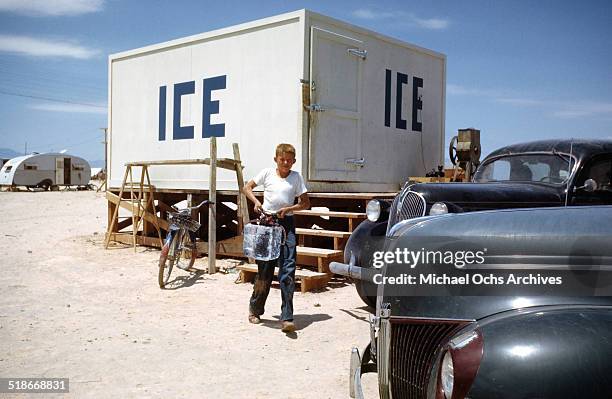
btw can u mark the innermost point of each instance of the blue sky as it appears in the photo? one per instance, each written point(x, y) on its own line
point(517, 70)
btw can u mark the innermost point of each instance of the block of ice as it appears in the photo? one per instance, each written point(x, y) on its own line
point(262, 242)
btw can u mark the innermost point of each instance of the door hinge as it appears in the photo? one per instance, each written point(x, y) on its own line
point(358, 53)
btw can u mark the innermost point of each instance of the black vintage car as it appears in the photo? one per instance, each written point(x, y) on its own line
point(535, 174)
point(539, 338)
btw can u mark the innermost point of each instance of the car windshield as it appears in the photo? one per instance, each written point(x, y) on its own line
point(546, 168)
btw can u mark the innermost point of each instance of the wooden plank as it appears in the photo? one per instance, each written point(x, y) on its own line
point(111, 224)
point(127, 238)
point(318, 252)
point(225, 163)
point(212, 208)
point(429, 180)
point(127, 205)
point(309, 280)
point(243, 206)
point(365, 196)
point(298, 272)
point(323, 233)
point(335, 214)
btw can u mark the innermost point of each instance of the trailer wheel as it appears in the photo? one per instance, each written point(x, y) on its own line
point(54, 187)
point(45, 185)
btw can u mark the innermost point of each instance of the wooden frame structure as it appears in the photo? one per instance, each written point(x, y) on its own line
point(141, 203)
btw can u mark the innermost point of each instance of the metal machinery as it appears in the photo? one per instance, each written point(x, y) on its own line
point(464, 153)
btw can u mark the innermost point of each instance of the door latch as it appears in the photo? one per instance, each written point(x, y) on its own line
point(357, 162)
point(358, 53)
point(316, 108)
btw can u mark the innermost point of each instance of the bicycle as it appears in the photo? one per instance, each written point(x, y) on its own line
point(180, 244)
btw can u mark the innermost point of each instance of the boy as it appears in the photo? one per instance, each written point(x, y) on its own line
point(281, 186)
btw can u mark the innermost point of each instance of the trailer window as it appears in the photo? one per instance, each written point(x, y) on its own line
point(30, 167)
point(8, 168)
point(78, 167)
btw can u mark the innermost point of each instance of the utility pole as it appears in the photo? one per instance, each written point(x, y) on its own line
point(25, 151)
point(105, 142)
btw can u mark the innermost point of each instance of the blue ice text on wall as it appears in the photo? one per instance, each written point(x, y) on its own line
point(209, 107)
point(417, 102)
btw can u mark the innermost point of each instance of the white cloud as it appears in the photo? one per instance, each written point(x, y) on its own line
point(583, 109)
point(556, 108)
point(402, 18)
point(432, 23)
point(521, 102)
point(51, 7)
point(44, 47)
point(71, 108)
point(365, 13)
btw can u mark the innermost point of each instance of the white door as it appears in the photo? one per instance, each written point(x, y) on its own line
point(335, 98)
point(59, 170)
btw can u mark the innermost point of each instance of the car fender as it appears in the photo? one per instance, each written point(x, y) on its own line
point(568, 348)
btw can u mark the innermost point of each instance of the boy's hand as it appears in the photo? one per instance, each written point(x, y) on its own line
point(258, 207)
point(281, 212)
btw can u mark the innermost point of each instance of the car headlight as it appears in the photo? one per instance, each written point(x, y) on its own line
point(439, 208)
point(447, 375)
point(460, 364)
point(373, 210)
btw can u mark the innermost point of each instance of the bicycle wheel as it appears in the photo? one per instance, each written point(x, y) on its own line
point(166, 260)
point(186, 252)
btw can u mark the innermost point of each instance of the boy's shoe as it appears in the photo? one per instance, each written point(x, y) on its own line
point(253, 319)
point(287, 326)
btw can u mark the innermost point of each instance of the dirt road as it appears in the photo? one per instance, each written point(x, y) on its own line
point(70, 308)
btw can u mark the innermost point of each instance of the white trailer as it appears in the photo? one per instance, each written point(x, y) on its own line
point(363, 110)
point(45, 171)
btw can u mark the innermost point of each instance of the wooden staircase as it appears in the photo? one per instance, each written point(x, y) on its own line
point(323, 233)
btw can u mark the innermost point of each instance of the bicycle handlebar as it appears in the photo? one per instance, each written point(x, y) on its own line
point(192, 208)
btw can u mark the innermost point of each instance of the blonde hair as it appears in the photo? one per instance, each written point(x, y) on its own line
point(285, 148)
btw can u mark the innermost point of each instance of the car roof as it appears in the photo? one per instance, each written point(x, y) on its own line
point(580, 148)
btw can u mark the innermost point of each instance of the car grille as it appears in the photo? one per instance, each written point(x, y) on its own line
point(412, 350)
point(407, 205)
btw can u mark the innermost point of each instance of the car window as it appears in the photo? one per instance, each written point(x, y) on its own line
point(599, 170)
point(545, 168)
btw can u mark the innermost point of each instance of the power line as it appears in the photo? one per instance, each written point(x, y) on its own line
point(51, 99)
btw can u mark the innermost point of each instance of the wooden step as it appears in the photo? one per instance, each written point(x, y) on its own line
point(323, 233)
point(333, 214)
point(339, 237)
point(318, 252)
point(308, 279)
point(318, 257)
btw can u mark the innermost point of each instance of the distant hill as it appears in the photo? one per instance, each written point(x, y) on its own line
point(8, 153)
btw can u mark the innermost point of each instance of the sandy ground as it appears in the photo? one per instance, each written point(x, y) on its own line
point(70, 308)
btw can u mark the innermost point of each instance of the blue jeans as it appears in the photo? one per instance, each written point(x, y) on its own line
point(286, 276)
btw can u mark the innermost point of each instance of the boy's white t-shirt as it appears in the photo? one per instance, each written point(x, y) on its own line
point(279, 192)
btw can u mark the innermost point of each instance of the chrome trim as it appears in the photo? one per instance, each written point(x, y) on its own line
point(374, 325)
point(382, 351)
point(349, 270)
point(355, 390)
point(382, 359)
point(398, 213)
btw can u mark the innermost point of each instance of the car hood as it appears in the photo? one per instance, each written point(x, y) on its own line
point(478, 307)
point(490, 195)
point(534, 240)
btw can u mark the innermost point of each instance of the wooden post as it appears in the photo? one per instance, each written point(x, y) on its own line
point(153, 209)
point(212, 209)
point(111, 225)
point(243, 208)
